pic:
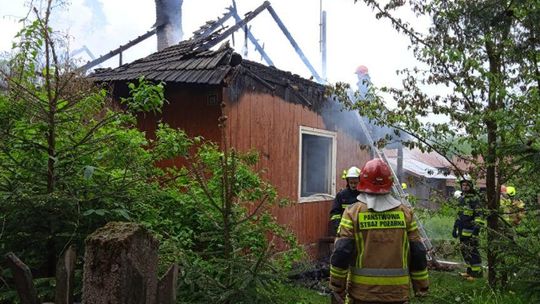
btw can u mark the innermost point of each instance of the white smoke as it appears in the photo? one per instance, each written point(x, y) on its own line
point(169, 22)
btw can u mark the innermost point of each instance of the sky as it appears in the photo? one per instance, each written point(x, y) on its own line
point(354, 36)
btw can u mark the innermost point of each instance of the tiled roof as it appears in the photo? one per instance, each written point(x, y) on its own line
point(181, 63)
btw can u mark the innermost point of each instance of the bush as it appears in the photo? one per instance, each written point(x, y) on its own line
point(72, 160)
point(232, 254)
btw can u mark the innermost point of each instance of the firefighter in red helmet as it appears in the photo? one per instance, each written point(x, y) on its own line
point(378, 251)
point(363, 81)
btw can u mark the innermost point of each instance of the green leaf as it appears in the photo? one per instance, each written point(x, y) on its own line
point(123, 212)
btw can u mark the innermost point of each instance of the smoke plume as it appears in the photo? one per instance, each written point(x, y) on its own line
point(169, 22)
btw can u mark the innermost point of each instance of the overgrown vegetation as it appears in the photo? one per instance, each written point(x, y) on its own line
point(480, 58)
point(450, 287)
point(233, 257)
point(71, 160)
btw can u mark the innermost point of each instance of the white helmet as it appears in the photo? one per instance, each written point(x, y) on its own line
point(353, 172)
point(465, 178)
point(457, 194)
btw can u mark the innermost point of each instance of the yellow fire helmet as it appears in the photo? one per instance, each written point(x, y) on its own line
point(352, 172)
point(511, 191)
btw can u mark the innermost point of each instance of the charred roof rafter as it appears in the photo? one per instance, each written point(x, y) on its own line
point(210, 35)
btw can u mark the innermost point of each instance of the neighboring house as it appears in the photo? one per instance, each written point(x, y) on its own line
point(427, 175)
point(288, 119)
point(468, 167)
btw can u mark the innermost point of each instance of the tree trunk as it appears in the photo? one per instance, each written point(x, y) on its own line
point(490, 160)
point(492, 203)
point(51, 130)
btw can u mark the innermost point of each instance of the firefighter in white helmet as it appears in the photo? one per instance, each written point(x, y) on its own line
point(345, 197)
point(469, 221)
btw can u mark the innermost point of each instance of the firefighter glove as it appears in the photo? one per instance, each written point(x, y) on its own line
point(455, 230)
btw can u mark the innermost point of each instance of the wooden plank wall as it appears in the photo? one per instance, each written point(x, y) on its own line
point(271, 125)
point(188, 109)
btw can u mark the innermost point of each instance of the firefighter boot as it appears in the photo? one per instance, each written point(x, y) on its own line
point(466, 274)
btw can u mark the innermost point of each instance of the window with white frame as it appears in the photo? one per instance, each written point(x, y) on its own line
point(317, 178)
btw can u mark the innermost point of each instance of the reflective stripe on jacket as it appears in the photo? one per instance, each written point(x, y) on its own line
point(470, 215)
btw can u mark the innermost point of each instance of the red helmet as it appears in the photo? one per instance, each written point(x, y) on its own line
point(376, 177)
point(361, 69)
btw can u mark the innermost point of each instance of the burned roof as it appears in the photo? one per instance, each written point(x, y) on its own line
point(189, 62)
point(181, 63)
point(288, 86)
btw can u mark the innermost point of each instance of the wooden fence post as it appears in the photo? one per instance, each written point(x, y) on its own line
point(23, 279)
point(167, 286)
point(65, 271)
point(120, 265)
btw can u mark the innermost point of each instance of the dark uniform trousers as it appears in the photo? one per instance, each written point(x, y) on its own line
point(470, 253)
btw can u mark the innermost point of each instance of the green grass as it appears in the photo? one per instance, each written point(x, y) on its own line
point(450, 287)
point(445, 287)
point(302, 295)
point(439, 230)
point(438, 227)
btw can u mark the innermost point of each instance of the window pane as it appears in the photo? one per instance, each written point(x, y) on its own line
point(316, 165)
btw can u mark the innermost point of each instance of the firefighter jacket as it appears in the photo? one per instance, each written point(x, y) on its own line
point(377, 255)
point(513, 211)
point(470, 215)
point(343, 199)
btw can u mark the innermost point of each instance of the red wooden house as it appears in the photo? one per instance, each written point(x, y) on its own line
point(303, 144)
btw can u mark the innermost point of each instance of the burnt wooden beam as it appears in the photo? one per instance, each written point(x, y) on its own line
point(253, 40)
point(259, 79)
point(294, 44)
point(215, 25)
point(23, 280)
point(119, 50)
point(237, 26)
point(298, 94)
